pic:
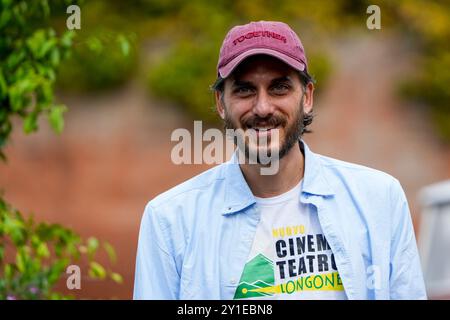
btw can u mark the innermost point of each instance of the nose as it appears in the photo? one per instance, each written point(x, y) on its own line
point(263, 106)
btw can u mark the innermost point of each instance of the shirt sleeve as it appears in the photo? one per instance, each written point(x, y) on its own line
point(406, 279)
point(156, 275)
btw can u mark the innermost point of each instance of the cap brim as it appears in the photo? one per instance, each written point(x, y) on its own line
point(226, 70)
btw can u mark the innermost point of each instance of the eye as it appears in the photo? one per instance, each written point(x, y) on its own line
point(243, 91)
point(280, 88)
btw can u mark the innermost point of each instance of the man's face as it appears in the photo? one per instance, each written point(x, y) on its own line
point(262, 96)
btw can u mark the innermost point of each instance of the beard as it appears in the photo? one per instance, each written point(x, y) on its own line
point(293, 132)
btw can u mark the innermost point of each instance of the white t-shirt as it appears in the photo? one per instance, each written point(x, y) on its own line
point(290, 257)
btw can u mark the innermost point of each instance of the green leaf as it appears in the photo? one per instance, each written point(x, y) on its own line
point(110, 251)
point(56, 270)
point(3, 86)
point(42, 250)
point(36, 42)
point(35, 241)
point(92, 246)
point(20, 262)
point(15, 58)
point(55, 57)
point(15, 229)
point(124, 45)
point(56, 119)
point(30, 123)
point(96, 270)
point(116, 277)
point(66, 39)
point(46, 47)
point(5, 17)
point(59, 296)
point(94, 44)
point(9, 271)
point(45, 91)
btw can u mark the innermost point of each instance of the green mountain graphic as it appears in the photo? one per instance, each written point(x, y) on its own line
point(258, 273)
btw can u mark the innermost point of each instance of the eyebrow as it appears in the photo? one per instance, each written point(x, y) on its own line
point(241, 83)
point(281, 79)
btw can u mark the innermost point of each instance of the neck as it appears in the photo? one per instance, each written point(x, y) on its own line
point(291, 170)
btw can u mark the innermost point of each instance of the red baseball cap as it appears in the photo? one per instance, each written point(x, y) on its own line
point(273, 38)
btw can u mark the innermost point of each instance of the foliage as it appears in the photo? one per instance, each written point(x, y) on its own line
point(31, 53)
point(428, 23)
point(105, 60)
point(39, 255)
point(104, 55)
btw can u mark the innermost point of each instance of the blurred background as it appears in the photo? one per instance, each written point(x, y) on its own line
point(139, 69)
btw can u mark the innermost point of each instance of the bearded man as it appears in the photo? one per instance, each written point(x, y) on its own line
point(316, 228)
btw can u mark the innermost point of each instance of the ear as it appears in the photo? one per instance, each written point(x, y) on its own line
point(219, 104)
point(309, 98)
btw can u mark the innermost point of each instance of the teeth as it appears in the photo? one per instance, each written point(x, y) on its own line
point(264, 129)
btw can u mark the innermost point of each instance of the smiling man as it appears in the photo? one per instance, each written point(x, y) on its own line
point(317, 228)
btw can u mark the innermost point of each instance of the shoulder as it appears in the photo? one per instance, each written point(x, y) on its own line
point(170, 213)
point(355, 172)
point(188, 190)
point(375, 194)
point(365, 182)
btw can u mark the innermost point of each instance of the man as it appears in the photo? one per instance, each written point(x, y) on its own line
point(318, 228)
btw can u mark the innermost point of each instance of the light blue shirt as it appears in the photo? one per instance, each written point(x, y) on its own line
point(195, 238)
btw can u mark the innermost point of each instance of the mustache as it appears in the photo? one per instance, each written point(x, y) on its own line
point(273, 120)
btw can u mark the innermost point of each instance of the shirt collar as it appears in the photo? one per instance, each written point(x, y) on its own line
point(238, 195)
point(314, 179)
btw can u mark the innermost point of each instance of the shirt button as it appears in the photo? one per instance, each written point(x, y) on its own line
point(233, 281)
